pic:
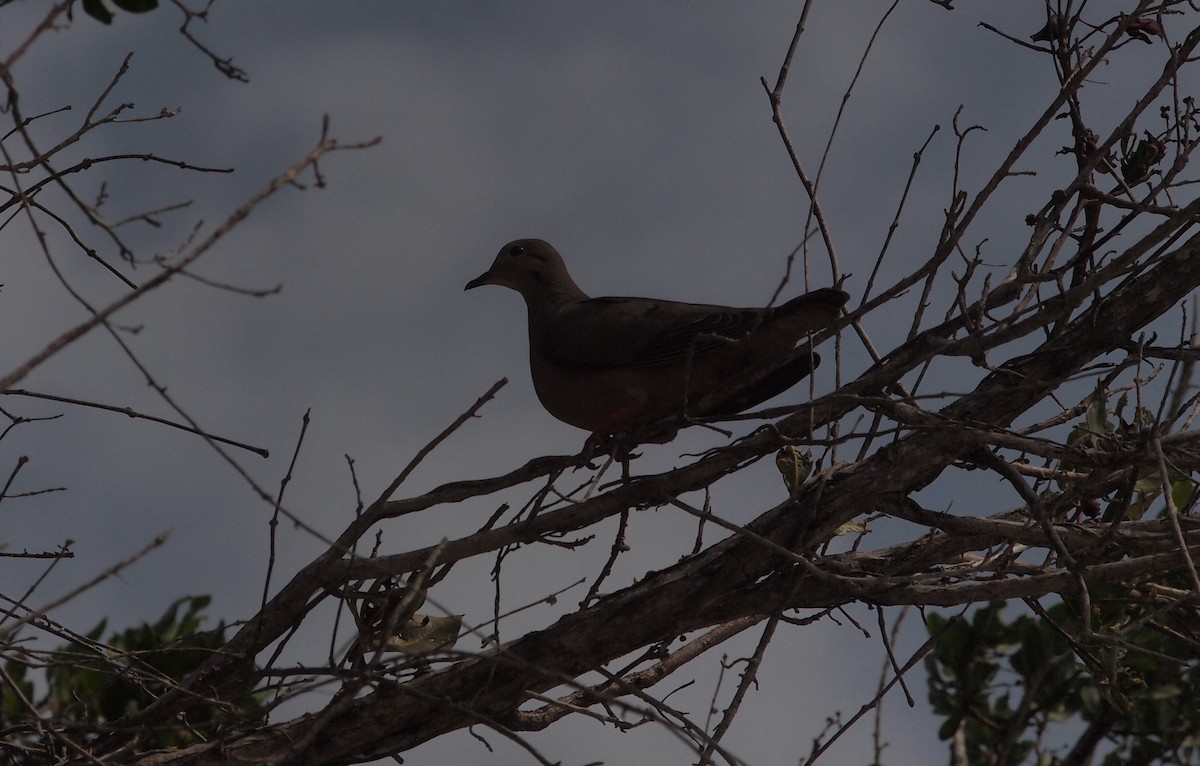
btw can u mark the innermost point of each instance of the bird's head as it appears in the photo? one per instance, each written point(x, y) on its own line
point(531, 267)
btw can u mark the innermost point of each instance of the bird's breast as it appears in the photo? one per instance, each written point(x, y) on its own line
point(587, 398)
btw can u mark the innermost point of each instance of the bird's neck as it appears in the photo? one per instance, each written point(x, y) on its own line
point(547, 301)
point(552, 296)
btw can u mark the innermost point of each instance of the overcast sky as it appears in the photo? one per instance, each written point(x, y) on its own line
point(634, 136)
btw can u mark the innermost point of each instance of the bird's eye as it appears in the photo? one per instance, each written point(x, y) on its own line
point(516, 251)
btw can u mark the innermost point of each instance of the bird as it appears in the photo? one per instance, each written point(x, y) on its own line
point(635, 370)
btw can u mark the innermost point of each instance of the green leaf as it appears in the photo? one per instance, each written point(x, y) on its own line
point(1122, 403)
point(423, 634)
point(948, 729)
point(98, 10)
point(1182, 492)
point(136, 6)
point(95, 633)
point(1097, 422)
point(1149, 485)
point(852, 528)
point(794, 466)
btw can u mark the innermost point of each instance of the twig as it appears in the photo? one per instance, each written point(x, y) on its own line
point(130, 412)
point(273, 524)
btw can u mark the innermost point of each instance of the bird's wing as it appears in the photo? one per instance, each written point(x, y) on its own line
point(638, 332)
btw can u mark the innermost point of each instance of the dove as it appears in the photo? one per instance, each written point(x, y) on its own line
point(635, 370)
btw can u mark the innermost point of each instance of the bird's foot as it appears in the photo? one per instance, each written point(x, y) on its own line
point(613, 445)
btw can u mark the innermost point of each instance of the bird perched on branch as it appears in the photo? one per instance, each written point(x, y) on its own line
point(636, 370)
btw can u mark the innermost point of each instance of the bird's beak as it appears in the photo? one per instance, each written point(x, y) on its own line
point(483, 279)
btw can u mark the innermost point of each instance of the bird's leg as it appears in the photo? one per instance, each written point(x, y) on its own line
point(613, 436)
point(612, 446)
point(616, 421)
